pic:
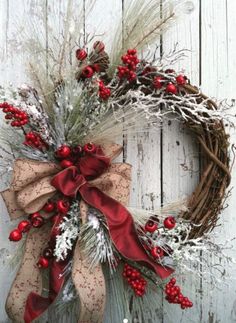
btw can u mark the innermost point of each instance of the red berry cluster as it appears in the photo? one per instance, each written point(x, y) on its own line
point(130, 61)
point(174, 295)
point(160, 82)
point(34, 140)
point(69, 156)
point(104, 92)
point(61, 206)
point(135, 280)
point(169, 223)
point(35, 220)
point(18, 118)
point(81, 55)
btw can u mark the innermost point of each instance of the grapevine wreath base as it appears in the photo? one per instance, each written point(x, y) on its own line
point(80, 239)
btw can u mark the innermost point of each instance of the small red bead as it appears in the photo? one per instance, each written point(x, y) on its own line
point(37, 222)
point(157, 252)
point(78, 150)
point(33, 216)
point(49, 207)
point(43, 262)
point(99, 46)
point(63, 152)
point(48, 253)
point(171, 88)
point(66, 163)
point(81, 54)
point(15, 235)
point(170, 71)
point(158, 82)
point(24, 226)
point(96, 68)
point(63, 206)
point(169, 222)
point(151, 226)
point(181, 80)
point(87, 72)
point(89, 148)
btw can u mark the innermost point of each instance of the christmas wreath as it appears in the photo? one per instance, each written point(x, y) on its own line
point(78, 229)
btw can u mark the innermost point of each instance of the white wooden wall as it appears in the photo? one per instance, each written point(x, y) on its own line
point(165, 164)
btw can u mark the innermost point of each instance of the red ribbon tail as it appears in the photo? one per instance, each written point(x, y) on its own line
point(36, 304)
point(121, 227)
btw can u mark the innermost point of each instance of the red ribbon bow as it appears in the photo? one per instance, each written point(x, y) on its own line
point(71, 182)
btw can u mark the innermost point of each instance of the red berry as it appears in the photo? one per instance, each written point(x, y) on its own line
point(49, 207)
point(81, 54)
point(132, 51)
point(99, 46)
point(24, 226)
point(63, 152)
point(181, 79)
point(87, 72)
point(169, 222)
point(38, 221)
point(78, 150)
point(170, 71)
point(63, 206)
point(96, 68)
point(151, 226)
point(171, 88)
point(157, 252)
point(89, 148)
point(43, 262)
point(15, 235)
point(158, 82)
point(34, 215)
point(66, 163)
point(48, 253)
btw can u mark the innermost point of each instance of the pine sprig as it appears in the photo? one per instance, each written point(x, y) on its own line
point(70, 228)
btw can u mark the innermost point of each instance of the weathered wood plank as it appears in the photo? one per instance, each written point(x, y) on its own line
point(218, 80)
point(12, 71)
point(180, 158)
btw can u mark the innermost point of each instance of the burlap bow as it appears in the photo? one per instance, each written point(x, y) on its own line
point(28, 193)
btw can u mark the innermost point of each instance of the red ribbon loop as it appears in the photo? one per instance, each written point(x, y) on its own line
point(120, 222)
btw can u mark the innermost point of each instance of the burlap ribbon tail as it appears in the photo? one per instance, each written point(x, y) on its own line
point(30, 190)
